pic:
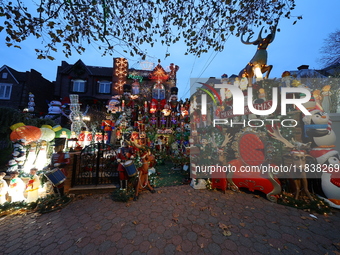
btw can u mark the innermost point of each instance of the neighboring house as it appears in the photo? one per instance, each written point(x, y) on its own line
point(303, 72)
point(331, 71)
point(96, 84)
point(15, 87)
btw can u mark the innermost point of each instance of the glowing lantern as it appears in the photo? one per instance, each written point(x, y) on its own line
point(61, 132)
point(47, 133)
point(258, 74)
point(21, 131)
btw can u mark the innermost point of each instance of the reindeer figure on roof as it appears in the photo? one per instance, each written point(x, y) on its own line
point(258, 64)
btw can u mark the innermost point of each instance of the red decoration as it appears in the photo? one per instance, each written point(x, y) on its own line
point(214, 91)
point(251, 150)
point(158, 74)
point(255, 180)
point(21, 131)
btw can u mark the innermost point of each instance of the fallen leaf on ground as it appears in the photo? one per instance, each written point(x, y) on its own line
point(222, 226)
point(226, 233)
point(175, 220)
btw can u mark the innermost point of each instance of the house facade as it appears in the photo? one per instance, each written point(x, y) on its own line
point(16, 86)
point(97, 85)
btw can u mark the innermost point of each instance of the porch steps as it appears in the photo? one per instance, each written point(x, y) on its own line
point(92, 189)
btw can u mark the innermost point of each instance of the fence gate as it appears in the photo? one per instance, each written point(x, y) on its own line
point(96, 165)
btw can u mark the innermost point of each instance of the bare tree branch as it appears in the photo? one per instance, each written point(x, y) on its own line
point(202, 25)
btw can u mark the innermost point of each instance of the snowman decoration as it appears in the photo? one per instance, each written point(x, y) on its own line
point(31, 103)
point(54, 109)
point(76, 116)
point(12, 166)
point(18, 156)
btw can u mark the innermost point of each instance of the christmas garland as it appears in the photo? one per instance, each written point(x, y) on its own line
point(42, 205)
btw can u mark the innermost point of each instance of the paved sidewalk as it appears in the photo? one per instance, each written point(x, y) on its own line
point(175, 220)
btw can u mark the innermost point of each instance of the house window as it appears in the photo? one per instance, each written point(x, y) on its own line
point(78, 86)
point(5, 90)
point(158, 91)
point(4, 75)
point(105, 87)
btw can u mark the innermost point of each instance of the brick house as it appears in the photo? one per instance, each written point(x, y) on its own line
point(15, 87)
point(95, 84)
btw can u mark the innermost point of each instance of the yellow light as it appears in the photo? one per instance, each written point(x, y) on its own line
point(258, 74)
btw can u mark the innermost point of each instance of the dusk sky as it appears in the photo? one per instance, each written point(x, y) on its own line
point(293, 46)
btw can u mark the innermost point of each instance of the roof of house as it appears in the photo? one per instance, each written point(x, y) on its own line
point(100, 71)
point(18, 76)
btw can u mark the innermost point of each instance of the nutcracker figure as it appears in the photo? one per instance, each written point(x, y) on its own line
point(108, 125)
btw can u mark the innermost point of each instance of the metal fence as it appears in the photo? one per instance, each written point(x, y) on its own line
point(96, 165)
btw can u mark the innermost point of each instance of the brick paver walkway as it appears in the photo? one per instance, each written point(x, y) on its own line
point(175, 220)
